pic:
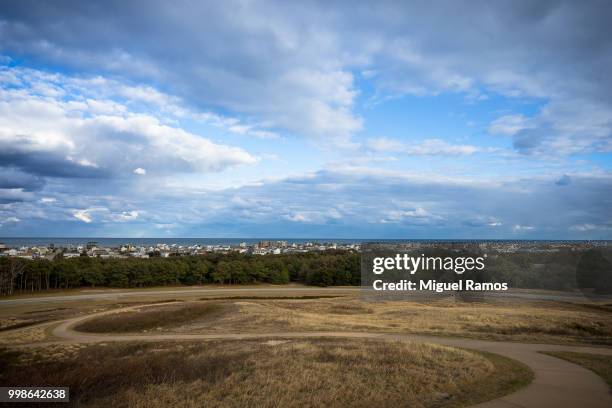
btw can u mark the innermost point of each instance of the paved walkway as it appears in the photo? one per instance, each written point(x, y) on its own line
point(557, 383)
point(121, 293)
point(286, 290)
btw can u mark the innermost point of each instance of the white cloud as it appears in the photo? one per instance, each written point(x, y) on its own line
point(82, 162)
point(560, 128)
point(10, 220)
point(520, 228)
point(427, 147)
point(291, 68)
point(103, 143)
point(584, 227)
point(304, 215)
point(126, 216)
point(416, 215)
point(508, 125)
point(140, 171)
point(298, 217)
point(440, 147)
point(383, 144)
point(295, 71)
point(83, 215)
point(104, 215)
point(275, 72)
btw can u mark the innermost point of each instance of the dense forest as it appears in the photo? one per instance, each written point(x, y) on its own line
point(564, 270)
point(322, 269)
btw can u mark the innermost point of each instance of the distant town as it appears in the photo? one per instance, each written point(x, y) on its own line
point(93, 249)
point(266, 247)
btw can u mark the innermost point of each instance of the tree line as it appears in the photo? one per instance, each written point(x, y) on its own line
point(332, 267)
point(564, 270)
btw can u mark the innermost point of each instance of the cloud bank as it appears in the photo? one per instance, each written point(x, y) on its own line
point(308, 119)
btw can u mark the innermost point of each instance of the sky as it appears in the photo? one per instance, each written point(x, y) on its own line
point(387, 119)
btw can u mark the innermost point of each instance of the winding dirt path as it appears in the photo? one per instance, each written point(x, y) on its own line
point(557, 383)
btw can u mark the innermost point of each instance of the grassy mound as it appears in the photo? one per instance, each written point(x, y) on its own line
point(289, 373)
point(150, 318)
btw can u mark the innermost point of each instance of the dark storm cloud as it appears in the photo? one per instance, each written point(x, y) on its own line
point(14, 179)
point(17, 187)
point(47, 164)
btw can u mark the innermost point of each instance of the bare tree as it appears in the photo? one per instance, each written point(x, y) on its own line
point(9, 271)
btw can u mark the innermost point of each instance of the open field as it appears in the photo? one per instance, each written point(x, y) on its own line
point(316, 372)
point(188, 327)
point(544, 322)
point(32, 308)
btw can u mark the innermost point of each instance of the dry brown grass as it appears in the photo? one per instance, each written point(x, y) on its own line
point(152, 318)
point(518, 321)
point(22, 323)
point(33, 334)
point(549, 322)
point(30, 318)
point(291, 373)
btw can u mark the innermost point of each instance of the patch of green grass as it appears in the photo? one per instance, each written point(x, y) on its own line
point(600, 364)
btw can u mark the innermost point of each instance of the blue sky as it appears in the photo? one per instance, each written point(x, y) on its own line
point(351, 120)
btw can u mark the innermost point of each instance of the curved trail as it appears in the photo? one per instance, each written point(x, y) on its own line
point(119, 294)
point(557, 383)
point(260, 291)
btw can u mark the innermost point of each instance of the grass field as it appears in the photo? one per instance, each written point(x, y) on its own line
point(297, 373)
point(152, 318)
point(549, 322)
point(288, 372)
